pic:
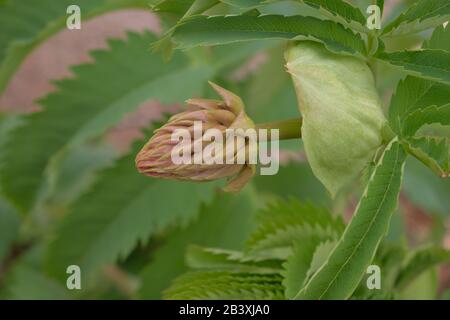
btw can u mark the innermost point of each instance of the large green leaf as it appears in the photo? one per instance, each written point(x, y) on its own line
point(339, 276)
point(414, 94)
point(430, 64)
point(92, 102)
point(424, 14)
point(225, 223)
point(121, 209)
point(201, 30)
point(27, 23)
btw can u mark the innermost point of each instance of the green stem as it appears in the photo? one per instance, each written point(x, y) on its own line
point(289, 129)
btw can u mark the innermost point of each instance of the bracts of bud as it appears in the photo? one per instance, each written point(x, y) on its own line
point(156, 159)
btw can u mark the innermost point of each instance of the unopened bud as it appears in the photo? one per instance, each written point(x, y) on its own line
point(156, 159)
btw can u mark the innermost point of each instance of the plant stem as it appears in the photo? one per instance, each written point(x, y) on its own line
point(289, 129)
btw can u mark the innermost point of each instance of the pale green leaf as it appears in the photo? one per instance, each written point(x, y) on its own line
point(340, 275)
point(422, 15)
point(201, 30)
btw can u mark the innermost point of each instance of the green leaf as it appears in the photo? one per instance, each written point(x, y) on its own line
point(9, 227)
point(27, 23)
point(88, 105)
point(439, 39)
point(430, 64)
point(224, 223)
point(420, 261)
point(432, 114)
point(413, 94)
point(341, 12)
point(422, 15)
point(306, 258)
point(172, 6)
point(228, 260)
point(426, 190)
point(121, 209)
point(340, 274)
point(216, 30)
point(9, 217)
point(293, 180)
point(26, 281)
point(220, 285)
point(283, 223)
point(260, 98)
point(433, 152)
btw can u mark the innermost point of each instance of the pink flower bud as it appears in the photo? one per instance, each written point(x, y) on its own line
point(156, 157)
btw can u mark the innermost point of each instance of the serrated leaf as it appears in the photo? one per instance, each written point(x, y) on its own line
point(86, 106)
point(340, 275)
point(221, 285)
point(228, 260)
point(440, 39)
point(225, 223)
point(413, 94)
point(433, 152)
point(283, 223)
point(419, 261)
point(422, 15)
point(341, 12)
point(305, 259)
point(122, 209)
point(432, 114)
point(430, 64)
point(172, 6)
point(27, 23)
point(216, 30)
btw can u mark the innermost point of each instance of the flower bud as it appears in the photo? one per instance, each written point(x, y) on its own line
point(342, 116)
point(156, 157)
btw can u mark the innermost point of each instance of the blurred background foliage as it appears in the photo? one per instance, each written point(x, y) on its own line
point(72, 194)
